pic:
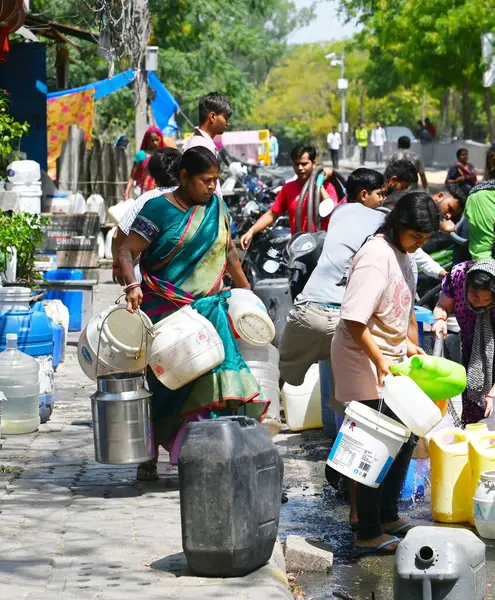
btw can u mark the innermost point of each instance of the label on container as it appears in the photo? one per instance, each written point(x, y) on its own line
point(357, 454)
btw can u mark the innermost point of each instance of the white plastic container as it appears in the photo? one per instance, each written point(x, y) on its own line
point(411, 405)
point(271, 422)
point(59, 313)
point(19, 381)
point(250, 318)
point(29, 197)
point(108, 243)
point(184, 347)
point(484, 505)
point(58, 203)
point(302, 404)
point(96, 204)
point(122, 345)
point(77, 204)
point(117, 211)
point(366, 444)
point(23, 171)
point(264, 371)
point(100, 244)
point(267, 354)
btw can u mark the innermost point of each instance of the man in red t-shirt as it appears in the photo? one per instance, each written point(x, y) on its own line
point(303, 161)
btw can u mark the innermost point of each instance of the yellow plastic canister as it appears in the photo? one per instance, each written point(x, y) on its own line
point(481, 458)
point(450, 476)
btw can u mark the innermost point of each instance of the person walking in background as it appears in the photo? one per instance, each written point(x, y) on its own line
point(462, 172)
point(274, 149)
point(140, 176)
point(362, 141)
point(378, 139)
point(334, 142)
point(404, 152)
point(422, 133)
point(430, 128)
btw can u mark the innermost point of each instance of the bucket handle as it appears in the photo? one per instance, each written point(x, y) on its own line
point(145, 329)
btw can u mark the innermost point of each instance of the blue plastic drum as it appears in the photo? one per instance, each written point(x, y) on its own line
point(73, 300)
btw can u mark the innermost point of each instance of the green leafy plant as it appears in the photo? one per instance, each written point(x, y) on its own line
point(11, 131)
point(23, 232)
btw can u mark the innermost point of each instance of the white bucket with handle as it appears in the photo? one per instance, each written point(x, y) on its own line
point(185, 346)
point(367, 444)
point(250, 318)
point(122, 338)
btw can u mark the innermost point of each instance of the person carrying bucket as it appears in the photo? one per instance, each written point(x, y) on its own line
point(185, 244)
point(376, 314)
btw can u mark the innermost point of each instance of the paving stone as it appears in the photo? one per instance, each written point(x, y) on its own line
point(302, 555)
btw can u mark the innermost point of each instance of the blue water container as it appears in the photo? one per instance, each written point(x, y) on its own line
point(71, 299)
point(58, 340)
point(423, 315)
point(413, 486)
point(34, 337)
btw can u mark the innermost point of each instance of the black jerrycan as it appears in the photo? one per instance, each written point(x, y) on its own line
point(230, 475)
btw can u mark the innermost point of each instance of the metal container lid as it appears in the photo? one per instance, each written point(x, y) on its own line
point(119, 383)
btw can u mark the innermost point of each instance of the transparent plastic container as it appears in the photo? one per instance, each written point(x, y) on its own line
point(19, 381)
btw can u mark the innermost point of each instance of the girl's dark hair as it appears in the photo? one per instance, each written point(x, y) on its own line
point(163, 166)
point(414, 210)
point(460, 151)
point(362, 179)
point(480, 280)
point(166, 164)
point(490, 163)
point(197, 160)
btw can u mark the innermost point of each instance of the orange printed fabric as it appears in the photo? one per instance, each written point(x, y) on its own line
point(63, 111)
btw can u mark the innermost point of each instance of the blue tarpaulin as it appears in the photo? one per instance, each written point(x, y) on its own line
point(164, 104)
point(102, 88)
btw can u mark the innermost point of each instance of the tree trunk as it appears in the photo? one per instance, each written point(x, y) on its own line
point(361, 104)
point(456, 109)
point(467, 110)
point(488, 101)
point(444, 115)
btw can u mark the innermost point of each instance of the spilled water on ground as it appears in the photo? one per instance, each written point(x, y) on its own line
point(316, 512)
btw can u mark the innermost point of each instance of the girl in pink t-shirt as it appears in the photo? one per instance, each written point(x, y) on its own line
point(373, 333)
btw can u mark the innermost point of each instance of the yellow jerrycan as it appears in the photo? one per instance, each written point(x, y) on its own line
point(450, 477)
point(481, 458)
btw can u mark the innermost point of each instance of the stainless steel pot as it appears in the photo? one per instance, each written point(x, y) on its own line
point(122, 428)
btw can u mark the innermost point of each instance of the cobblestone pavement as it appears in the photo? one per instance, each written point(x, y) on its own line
point(74, 529)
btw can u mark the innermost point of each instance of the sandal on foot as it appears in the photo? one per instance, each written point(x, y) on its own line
point(399, 530)
point(147, 472)
point(361, 551)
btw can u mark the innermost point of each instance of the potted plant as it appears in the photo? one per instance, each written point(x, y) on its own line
point(11, 132)
point(23, 232)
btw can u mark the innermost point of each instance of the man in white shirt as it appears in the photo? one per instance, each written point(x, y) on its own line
point(378, 139)
point(214, 114)
point(334, 141)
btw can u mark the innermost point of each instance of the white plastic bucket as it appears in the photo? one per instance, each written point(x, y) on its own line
point(184, 347)
point(267, 354)
point(58, 203)
point(122, 345)
point(302, 404)
point(271, 393)
point(367, 444)
point(411, 405)
point(250, 318)
point(29, 197)
point(264, 372)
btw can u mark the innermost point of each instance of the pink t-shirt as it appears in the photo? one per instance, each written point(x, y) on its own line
point(380, 293)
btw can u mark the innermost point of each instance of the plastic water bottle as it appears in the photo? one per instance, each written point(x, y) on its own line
point(19, 381)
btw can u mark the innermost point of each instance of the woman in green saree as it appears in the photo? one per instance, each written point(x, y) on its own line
point(186, 246)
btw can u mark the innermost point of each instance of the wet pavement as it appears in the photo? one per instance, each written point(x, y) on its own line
point(315, 511)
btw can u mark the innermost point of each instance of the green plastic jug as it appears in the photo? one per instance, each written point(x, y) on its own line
point(439, 378)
